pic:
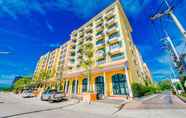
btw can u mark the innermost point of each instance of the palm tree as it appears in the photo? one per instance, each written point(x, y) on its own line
point(87, 60)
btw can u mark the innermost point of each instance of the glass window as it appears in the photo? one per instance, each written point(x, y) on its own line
point(119, 84)
point(99, 85)
point(75, 87)
point(85, 84)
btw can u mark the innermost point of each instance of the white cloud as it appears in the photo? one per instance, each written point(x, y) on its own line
point(6, 79)
point(53, 45)
point(82, 8)
point(4, 53)
point(49, 26)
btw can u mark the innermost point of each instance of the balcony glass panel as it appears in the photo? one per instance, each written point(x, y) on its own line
point(100, 42)
point(117, 57)
point(116, 34)
point(100, 62)
point(115, 46)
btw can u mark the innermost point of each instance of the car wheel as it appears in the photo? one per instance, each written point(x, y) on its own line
point(50, 100)
point(42, 98)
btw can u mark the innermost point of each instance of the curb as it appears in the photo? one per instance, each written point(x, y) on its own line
point(181, 98)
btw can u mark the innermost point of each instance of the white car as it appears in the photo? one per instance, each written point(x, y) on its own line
point(52, 96)
point(27, 94)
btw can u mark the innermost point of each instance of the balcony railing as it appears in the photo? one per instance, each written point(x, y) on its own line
point(115, 49)
point(100, 53)
point(100, 44)
point(110, 22)
point(117, 57)
point(112, 30)
point(100, 62)
point(109, 14)
point(100, 36)
point(113, 40)
point(100, 28)
point(98, 22)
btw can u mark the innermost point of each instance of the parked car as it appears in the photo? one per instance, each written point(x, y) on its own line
point(52, 96)
point(27, 94)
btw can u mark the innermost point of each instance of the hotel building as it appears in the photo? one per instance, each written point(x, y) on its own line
point(118, 62)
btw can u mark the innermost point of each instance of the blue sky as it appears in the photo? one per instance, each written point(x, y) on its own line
point(30, 28)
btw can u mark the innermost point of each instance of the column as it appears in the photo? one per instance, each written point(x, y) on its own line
point(128, 82)
point(105, 83)
point(75, 91)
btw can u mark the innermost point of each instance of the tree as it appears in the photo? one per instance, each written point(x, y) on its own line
point(22, 83)
point(87, 60)
point(165, 85)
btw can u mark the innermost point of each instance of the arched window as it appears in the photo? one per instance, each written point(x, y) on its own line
point(85, 84)
point(119, 84)
point(99, 84)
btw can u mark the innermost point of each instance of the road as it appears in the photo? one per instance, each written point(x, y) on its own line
point(158, 106)
point(159, 101)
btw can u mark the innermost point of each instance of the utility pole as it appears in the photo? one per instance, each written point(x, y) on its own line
point(170, 13)
point(167, 41)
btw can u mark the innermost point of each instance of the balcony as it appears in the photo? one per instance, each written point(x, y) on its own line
point(100, 28)
point(81, 34)
point(100, 62)
point(112, 30)
point(114, 40)
point(100, 55)
point(74, 34)
point(117, 57)
point(88, 36)
point(100, 36)
point(114, 50)
point(101, 45)
point(109, 15)
point(74, 40)
point(88, 29)
point(80, 42)
point(99, 21)
point(111, 22)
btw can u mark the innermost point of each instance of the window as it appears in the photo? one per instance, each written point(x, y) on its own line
point(66, 86)
point(85, 84)
point(99, 85)
point(75, 87)
point(119, 84)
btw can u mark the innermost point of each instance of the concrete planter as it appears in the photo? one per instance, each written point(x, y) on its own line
point(89, 97)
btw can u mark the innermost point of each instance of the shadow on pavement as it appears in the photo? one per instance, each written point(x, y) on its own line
point(37, 111)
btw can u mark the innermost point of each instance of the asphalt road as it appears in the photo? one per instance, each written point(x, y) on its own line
point(159, 101)
point(158, 106)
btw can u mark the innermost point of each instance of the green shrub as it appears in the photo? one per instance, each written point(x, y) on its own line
point(138, 89)
point(142, 90)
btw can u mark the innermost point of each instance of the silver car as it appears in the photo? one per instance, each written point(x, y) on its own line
point(52, 96)
point(27, 94)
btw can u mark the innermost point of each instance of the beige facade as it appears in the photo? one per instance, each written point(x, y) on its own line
point(118, 62)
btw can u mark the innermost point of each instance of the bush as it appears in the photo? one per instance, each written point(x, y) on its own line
point(138, 89)
point(142, 90)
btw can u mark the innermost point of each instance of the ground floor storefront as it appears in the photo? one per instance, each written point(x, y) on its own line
point(109, 83)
